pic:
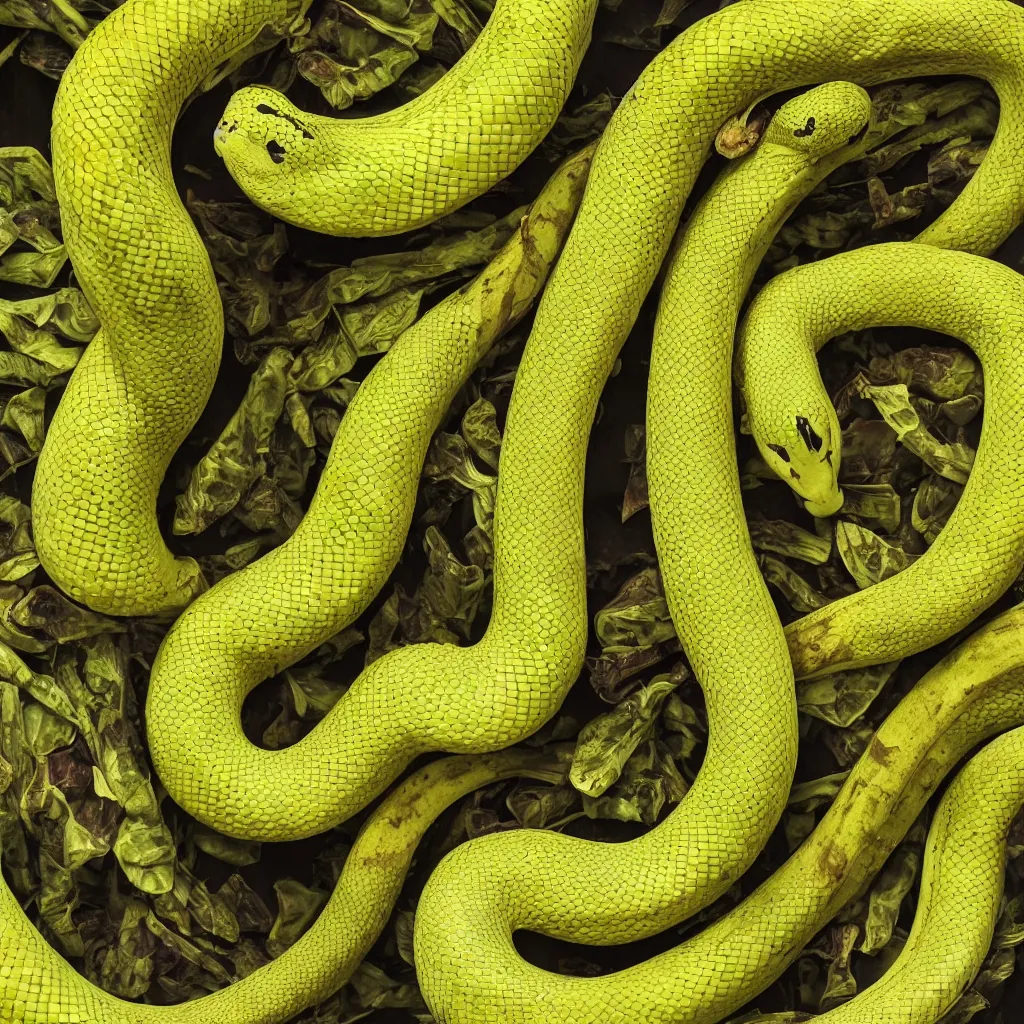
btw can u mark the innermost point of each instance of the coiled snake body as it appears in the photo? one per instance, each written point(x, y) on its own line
point(127, 409)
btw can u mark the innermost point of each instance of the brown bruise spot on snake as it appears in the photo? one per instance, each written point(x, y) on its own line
point(814, 648)
point(880, 753)
point(833, 862)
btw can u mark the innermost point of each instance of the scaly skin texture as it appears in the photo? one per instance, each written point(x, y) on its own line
point(257, 621)
point(478, 698)
point(981, 550)
point(38, 987)
point(718, 599)
point(470, 974)
point(961, 885)
point(146, 272)
point(404, 169)
point(727, 621)
point(645, 166)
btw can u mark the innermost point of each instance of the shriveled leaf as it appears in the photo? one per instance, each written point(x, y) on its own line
point(297, 906)
point(236, 459)
point(607, 742)
point(934, 503)
point(842, 697)
point(867, 557)
point(798, 592)
point(46, 609)
point(953, 461)
point(784, 538)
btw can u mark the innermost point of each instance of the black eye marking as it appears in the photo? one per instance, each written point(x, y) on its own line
point(276, 151)
point(857, 136)
point(794, 474)
point(780, 450)
point(808, 129)
point(807, 434)
point(264, 108)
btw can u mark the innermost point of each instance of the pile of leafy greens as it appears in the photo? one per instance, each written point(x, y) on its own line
point(149, 903)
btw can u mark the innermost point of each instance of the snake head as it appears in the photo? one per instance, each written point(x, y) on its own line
point(262, 138)
point(821, 121)
point(804, 451)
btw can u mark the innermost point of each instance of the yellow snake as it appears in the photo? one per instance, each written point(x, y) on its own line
point(144, 381)
point(981, 550)
point(961, 883)
point(91, 498)
point(973, 693)
point(37, 986)
point(472, 699)
point(717, 597)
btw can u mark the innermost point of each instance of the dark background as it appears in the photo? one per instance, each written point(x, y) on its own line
point(26, 99)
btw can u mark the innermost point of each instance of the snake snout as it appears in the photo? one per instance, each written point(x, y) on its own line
point(826, 506)
point(222, 131)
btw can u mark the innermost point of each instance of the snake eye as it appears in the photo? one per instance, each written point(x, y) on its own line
point(780, 450)
point(808, 129)
point(266, 108)
point(808, 434)
point(276, 151)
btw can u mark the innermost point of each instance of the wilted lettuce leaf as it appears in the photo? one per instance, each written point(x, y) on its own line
point(941, 373)
point(297, 906)
point(787, 539)
point(351, 52)
point(450, 458)
point(872, 505)
point(953, 461)
point(481, 433)
point(635, 631)
point(60, 16)
point(889, 889)
point(578, 126)
point(649, 781)
point(448, 259)
point(244, 254)
point(607, 742)
point(237, 458)
point(801, 596)
point(17, 551)
point(868, 558)
point(842, 697)
point(28, 215)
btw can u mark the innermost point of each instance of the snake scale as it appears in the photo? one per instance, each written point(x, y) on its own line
point(114, 433)
point(717, 597)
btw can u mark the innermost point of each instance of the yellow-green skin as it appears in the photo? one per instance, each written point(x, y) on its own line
point(501, 689)
point(718, 599)
point(37, 986)
point(981, 550)
point(975, 692)
point(414, 699)
point(726, 619)
point(146, 377)
point(958, 904)
point(412, 165)
point(646, 165)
